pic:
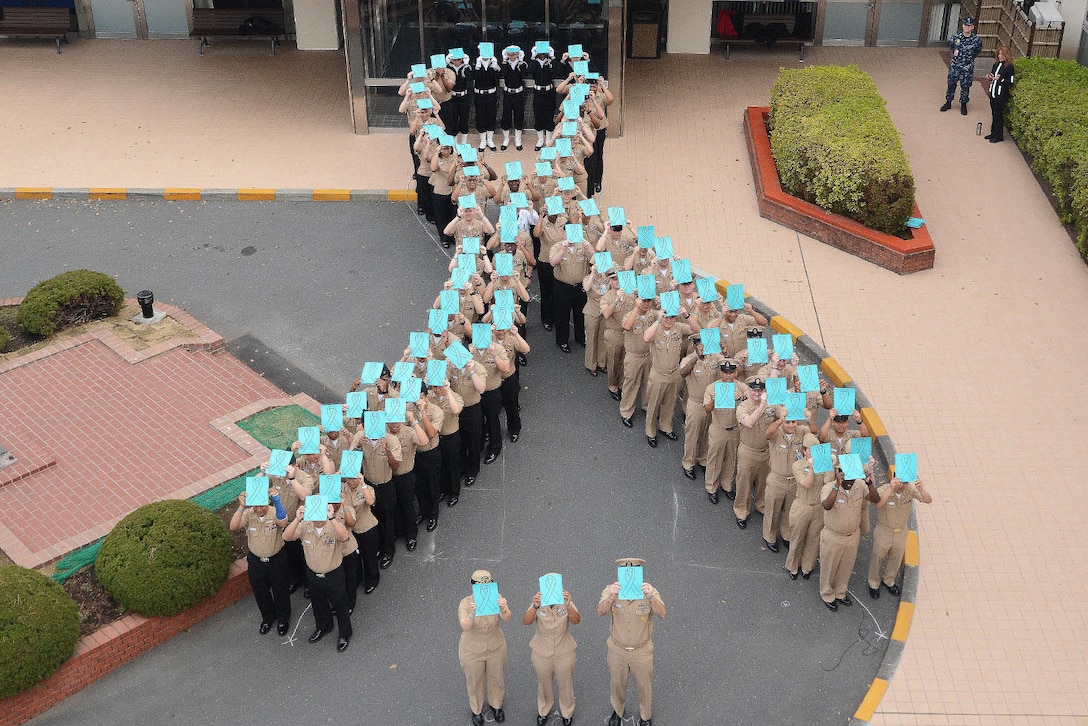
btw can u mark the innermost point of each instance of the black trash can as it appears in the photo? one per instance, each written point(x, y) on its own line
point(146, 300)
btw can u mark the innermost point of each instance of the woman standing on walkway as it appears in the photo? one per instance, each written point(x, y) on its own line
point(1001, 80)
point(553, 655)
point(482, 652)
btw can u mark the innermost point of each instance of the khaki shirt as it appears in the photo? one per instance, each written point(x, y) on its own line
point(550, 234)
point(451, 422)
point(288, 499)
point(896, 511)
point(621, 248)
point(436, 416)
point(702, 374)
point(839, 446)
point(755, 437)
point(807, 496)
point(844, 517)
point(632, 621)
point(552, 636)
point(461, 381)
point(486, 633)
point(487, 358)
point(633, 342)
point(406, 436)
point(735, 336)
point(323, 552)
point(335, 449)
point(376, 468)
point(667, 348)
point(725, 418)
point(263, 536)
point(574, 265)
point(375, 399)
point(355, 498)
point(787, 450)
point(622, 303)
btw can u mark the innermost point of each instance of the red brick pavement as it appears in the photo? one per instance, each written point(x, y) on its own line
point(100, 429)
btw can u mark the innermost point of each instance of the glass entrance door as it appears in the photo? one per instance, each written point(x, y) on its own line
point(900, 22)
point(114, 18)
point(873, 22)
point(848, 22)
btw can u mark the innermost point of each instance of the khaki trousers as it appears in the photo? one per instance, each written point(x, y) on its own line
point(696, 423)
point(889, 544)
point(595, 353)
point(481, 670)
point(638, 663)
point(559, 666)
point(613, 357)
point(661, 393)
point(636, 368)
point(752, 470)
point(837, 555)
point(806, 520)
point(781, 491)
point(721, 457)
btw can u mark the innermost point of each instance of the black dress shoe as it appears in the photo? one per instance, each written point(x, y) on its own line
point(265, 627)
point(947, 105)
point(431, 524)
point(742, 523)
point(564, 347)
point(370, 588)
point(281, 629)
point(893, 589)
point(988, 136)
point(342, 644)
point(616, 395)
point(514, 438)
point(614, 720)
point(793, 575)
point(419, 518)
point(806, 575)
point(386, 560)
point(668, 435)
point(845, 600)
point(490, 458)
point(874, 592)
point(541, 720)
point(645, 722)
point(503, 147)
point(477, 719)
point(318, 635)
point(411, 545)
point(522, 360)
point(452, 502)
point(499, 715)
point(652, 441)
point(731, 495)
point(627, 422)
point(549, 326)
point(470, 480)
point(568, 721)
point(831, 605)
point(772, 546)
point(713, 497)
point(446, 245)
point(963, 109)
point(690, 473)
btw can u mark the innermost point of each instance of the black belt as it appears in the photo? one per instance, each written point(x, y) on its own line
point(487, 91)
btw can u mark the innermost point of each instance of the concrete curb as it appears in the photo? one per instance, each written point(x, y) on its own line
point(173, 194)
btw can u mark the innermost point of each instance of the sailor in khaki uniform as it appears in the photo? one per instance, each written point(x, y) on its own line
point(806, 515)
point(890, 534)
point(636, 358)
point(667, 338)
point(699, 371)
point(843, 502)
point(630, 643)
point(615, 304)
point(482, 652)
point(753, 454)
point(323, 548)
point(552, 649)
point(723, 435)
point(267, 559)
point(785, 440)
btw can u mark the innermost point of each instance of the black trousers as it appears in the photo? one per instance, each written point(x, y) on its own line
point(543, 109)
point(491, 401)
point(270, 580)
point(296, 562)
point(406, 505)
point(545, 277)
point(569, 301)
point(595, 163)
point(327, 593)
point(472, 438)
point(997, 110)
point(412, 151)
point(351, 569)
point(450, 477)
point(513, 111)
point(425, 197)
point(385, 509)
point(368, 556)
point(487, 108)
point(428, 469)
point(455, 113)
point(444, 212)
point(510, 390)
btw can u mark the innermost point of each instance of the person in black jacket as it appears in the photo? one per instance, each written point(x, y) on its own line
point(1001, 80)
point(542, 69)
point(513, 71)
point(459, 105)
point(485, 81)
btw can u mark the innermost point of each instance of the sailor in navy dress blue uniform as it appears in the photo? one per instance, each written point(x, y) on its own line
point(513, 71)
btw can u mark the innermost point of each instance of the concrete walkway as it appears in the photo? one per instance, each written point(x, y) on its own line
point(975, 365)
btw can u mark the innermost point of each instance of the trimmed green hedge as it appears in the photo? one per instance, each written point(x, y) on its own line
point(164, 557)
point(4, 338)
point(835, 145)
point(69, 299)
point(1048, 116)
point(39, 627)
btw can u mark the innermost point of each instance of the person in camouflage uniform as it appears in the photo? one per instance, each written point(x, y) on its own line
point(965, 47)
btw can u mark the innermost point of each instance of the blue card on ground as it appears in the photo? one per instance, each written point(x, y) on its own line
point(486, 597)
point(630, 579)
point(915, 222)
point(257, 491)
point(309, 437)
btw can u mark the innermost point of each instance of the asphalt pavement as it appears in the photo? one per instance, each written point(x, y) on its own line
point(305, 293)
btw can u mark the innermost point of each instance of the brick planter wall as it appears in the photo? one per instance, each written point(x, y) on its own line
point(888, 251)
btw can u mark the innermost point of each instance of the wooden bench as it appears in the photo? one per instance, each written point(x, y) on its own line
point(22, 22)
point(228, 23)
point(766, 20)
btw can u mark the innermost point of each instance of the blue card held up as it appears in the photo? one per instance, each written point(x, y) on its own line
point(915, 222)
point(508, 215)
point(277, 462)
point(646, 236)
point(630, 579)
point(734, 296)
point(576, 234)
point(513, 170)
point(351, 464)
point(417, 87)
point(471, 171)
point(670, 303)
point(580, 67)
point(725, 395)
point(487, 50)
point(809, 378)
point(795, 407)
point(569, 128)
point(436, 372)
point(574, 51)
point(589, 207)
point(317, 509)
point(663, 248)
point(467, 262)
point(394, 410)
point(554, 205)
point(486, 596)
point(551, 589)
point(457, 53)
point(628, 281)
point(647, 288)
point(457, 354)
point(566, 184)
point(504, 298)
point(543, 168)
point(403, 370)
point(542, 48)
point(433, 131)
point(711, 338)
point(332, 417)
point(707, 289)
point(411, 389)
point(424, 103)
point(851, 466)
point(562, 147)
point(374, 425)
point(821, 458)
point(603, 260)
point(519, 200)
point(481, 336)
point(310, 438)
point(503, 317)
point(906, 467)
point(681, 270)
point(844, 401)
point(460, 276)
point(256, 491)
point(776, 391)
point(438, 61)
point(419, 70)
point(449, 301)
point(783, 345)
point(419, 344)
point(466, 201)
point(570, 110)
point(862, 446)
point(329, 487)
point(372, 371)
point(617, 217)
point(504, 264)
point(437, 320)
point(757, 350)
point(467, 153)
point(470, 245)
point(356, 401)
point(547, 154)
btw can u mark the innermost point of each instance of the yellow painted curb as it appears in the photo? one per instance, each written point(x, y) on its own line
point(872, 700)
point(902, 621)
point(782, 325)
point(872, 422)
point(401, 195)
point(911, 557)
point(834, 371)
point(181, 195)
point(106, 193)
point(34, 193)
point(332, 195)
point(256, 195)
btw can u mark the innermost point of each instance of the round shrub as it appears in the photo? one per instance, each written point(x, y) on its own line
point(164, 557)
point(69, 299)
point(39, 627)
